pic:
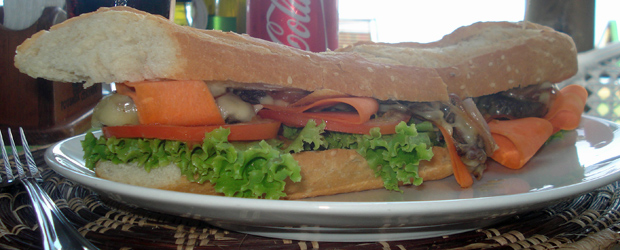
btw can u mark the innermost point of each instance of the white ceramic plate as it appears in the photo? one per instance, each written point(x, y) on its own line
point(583, 160)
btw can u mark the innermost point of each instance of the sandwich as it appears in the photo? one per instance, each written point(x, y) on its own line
point(219, 113)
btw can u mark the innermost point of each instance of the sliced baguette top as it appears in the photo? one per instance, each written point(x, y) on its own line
point(486, 57)
point(122, 44)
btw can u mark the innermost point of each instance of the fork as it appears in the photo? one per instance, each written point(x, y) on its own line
point(56, 229)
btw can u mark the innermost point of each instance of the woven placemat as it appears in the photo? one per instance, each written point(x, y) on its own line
point(590, 221)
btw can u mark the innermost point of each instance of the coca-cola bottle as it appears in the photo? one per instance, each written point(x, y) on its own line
point(305, 24)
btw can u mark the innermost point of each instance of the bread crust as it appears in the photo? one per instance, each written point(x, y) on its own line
point(326, 172)
point(195, 54)
point(486, 57)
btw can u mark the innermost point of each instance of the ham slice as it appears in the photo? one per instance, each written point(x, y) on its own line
point(365, 107)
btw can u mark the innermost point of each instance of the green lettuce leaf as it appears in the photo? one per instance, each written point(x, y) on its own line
point(306, 139)
point(251, 170)
point(395, 158)
point(558, 135)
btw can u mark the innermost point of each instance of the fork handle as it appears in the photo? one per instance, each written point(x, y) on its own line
point(57, 231)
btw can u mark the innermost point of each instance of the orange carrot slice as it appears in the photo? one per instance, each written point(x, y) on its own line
point(183, 103)
point(565, 112)
point(577, 90)
point(365, 107)
point(461, 174)
point(519, 140)
point(508, 155)
point(565, 120)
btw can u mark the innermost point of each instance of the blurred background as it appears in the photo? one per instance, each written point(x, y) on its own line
point(60, 110)
point(426, 21)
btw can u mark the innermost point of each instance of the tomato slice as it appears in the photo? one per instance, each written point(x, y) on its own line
point(252, 131)
point(386, 124)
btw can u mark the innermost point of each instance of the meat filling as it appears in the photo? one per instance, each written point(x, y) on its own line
point(531, 101)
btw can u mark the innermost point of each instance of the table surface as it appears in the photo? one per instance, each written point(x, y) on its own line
point(590, 221)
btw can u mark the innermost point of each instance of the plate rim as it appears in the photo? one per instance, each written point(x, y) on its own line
point(375, 208)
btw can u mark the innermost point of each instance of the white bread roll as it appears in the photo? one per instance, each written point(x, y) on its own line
point(327, 172)
point(486, 57)
point(122, 44)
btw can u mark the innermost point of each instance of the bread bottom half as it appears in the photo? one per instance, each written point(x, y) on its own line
point(327, 172)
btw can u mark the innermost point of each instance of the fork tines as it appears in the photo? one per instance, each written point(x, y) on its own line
point(32, 167)
point(7, 163)
point(18, 163)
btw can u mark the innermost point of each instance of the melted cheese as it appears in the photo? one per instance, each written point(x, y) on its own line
point(467, 132)
point(233, 109)
point(115, 110)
